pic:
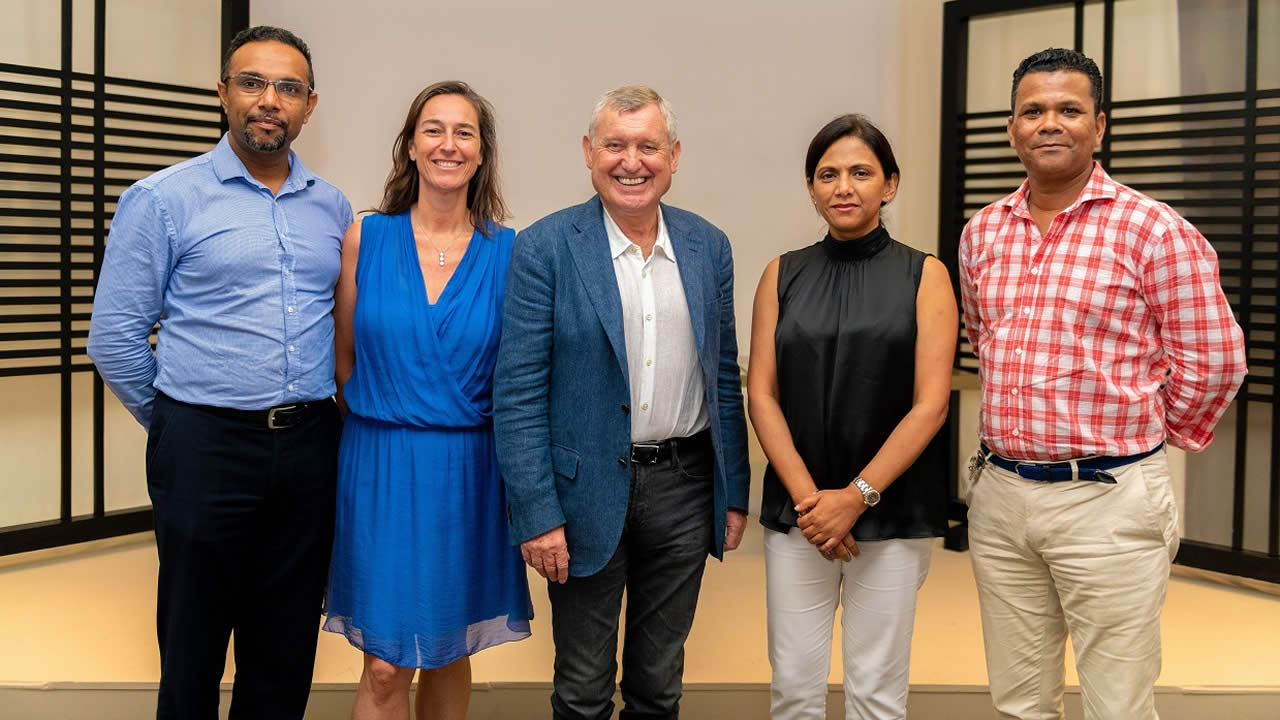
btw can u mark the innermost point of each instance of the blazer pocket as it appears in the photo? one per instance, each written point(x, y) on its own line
point(564, 461)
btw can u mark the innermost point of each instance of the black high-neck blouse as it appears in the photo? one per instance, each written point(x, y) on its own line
point(845, 348)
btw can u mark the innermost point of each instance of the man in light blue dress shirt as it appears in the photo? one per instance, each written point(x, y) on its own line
point(235, 254)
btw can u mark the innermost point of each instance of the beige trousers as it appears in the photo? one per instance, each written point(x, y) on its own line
point(1083, 557)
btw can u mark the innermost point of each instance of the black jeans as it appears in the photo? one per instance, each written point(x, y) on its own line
point(659, 561)
point(244, 528)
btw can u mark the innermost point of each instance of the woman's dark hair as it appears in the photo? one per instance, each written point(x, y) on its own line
point(484, 197)
point(851, 125)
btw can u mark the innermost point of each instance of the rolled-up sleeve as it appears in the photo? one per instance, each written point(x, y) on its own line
point(1198, 332)
point(129, 299)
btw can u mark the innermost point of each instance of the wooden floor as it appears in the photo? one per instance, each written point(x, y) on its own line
point(86, 620)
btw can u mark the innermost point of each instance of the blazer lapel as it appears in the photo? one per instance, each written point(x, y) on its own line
point(691, 260)
point(590, 250)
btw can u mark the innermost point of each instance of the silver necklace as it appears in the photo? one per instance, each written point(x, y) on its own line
point(440, 253)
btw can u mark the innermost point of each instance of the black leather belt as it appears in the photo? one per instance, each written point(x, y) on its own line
point(1094, 468)
point(656, 452)
point(279, 417)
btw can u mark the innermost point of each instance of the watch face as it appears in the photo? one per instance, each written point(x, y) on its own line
point(870, 495)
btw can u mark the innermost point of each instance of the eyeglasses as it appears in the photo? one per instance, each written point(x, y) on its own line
point(292, 90)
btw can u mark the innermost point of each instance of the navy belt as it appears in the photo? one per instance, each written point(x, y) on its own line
point(1094, 468)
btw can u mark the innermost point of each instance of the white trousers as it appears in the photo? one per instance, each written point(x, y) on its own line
point(877, 591)
point(1083, 557)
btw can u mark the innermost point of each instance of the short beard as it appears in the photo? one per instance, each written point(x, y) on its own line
point(273, 145)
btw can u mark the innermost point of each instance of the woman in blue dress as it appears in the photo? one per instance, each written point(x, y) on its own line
point(423, 574)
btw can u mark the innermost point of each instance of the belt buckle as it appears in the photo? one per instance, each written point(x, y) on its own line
point(1042, 472)
point(271, 416)
point(645, 453)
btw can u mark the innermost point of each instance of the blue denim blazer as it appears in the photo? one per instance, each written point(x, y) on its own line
point(560, 386)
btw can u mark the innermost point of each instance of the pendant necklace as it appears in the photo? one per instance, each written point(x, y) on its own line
point(440, 253)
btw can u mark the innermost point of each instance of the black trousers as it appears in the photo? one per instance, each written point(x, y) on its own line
point(659, 562)
point(244, 528)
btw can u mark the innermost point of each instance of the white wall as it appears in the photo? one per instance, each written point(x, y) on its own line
point(751, 83)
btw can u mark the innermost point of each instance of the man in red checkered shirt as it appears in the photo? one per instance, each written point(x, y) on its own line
point(1101, 332)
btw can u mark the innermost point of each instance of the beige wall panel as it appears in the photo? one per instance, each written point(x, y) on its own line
point(1269, 44)
point(124, 458)
point(1146, 50)
point(168, 41)
point(31, 32)
point(997, 43)
point(915, 217)
point(81, 443)
point(30, 481)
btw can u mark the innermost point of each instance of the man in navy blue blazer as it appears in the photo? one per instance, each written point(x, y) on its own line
point(618, 413)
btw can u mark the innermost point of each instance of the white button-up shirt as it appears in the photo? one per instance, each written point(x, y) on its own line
point(668, 395)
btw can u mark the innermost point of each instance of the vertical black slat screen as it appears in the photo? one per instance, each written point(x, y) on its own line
point(1077, 39)
point(99, 239)
point(64, 254)
point(235, 17)
point(955, 40)
point(1253, 211)
point(1210, 168)
point(1108, 66)
point(1249, 142)
point(84, 138)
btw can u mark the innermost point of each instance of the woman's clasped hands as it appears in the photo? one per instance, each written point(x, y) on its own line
point(827, 518)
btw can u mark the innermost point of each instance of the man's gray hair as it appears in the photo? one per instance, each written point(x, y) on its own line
point(633, 97)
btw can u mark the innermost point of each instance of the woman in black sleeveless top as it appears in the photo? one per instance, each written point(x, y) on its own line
point(852, 341)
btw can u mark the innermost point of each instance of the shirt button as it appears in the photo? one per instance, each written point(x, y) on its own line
point(1017, 351)
point(647, 363)
point(648, 316)
point(622, 463)
point(1026, 311)
point(293, 349)
point(1013, 391)
point(643, 274)
point(635, 250)
point(1015, 432)
point(1035, 271)
point(290, 308)
point(645, 407)
point(290, 386)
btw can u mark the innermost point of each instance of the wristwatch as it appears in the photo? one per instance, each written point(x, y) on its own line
point(870, 495)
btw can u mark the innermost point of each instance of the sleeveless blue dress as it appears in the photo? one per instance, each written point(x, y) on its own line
point(423, 572)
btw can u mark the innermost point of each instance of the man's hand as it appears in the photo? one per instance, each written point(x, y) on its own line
point(735, 524)
point(827, 516)
point(548, 554)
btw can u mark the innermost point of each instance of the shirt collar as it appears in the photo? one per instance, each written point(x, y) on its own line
point(619, 243)
point(1099, 187)
point(227, 165)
